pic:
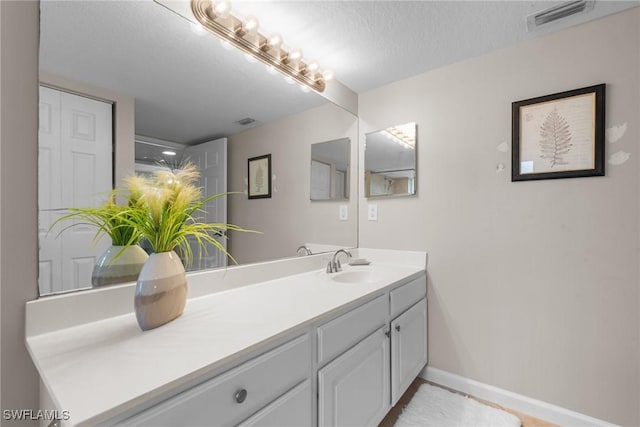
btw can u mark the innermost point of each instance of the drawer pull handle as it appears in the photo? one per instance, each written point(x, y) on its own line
point(398, 328)
point(241, 395)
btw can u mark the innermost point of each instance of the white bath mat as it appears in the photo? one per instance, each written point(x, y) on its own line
point(435, 406)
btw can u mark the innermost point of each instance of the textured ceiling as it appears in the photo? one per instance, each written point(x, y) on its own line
point(188, 88)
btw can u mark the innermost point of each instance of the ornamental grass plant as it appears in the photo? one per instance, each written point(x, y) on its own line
point(164, 209)
point(168, 210)
point(109, 218)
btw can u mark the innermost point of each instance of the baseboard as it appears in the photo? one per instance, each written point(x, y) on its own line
point(526, 405)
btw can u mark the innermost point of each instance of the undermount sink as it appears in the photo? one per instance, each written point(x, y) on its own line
point(359, 276)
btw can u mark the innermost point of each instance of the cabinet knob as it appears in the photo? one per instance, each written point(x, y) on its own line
point(398, 328)
point(241, 395)
point(387, 333)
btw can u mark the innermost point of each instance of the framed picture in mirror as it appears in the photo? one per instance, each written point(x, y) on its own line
point(259, 174)
point(559, 135)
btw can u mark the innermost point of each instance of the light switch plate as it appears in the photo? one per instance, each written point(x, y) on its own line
point(343, 213)
point(372, 212)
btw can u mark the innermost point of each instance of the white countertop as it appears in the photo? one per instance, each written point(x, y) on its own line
point(100, 369)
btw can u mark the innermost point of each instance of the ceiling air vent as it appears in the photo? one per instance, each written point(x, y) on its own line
point(559, 11)
point(245, 121)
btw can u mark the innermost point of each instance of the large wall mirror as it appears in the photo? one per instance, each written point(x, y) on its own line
point(390, 161)
point(175, 92)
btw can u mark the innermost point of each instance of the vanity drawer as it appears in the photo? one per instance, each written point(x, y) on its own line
point(345, 331)
point(291, 410)
point(407, 295)
point(236, 394)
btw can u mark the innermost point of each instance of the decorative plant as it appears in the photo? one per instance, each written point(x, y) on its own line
point(109, 219)
point(167, 212)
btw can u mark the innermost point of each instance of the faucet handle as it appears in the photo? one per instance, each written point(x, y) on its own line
point(338, 265)
point(331, 268)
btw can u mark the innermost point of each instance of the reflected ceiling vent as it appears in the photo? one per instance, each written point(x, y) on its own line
point(557, 12)
point(246, 121)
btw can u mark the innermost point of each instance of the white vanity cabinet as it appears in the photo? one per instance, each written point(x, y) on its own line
point(273, 386)
point(303, 349)
point(372, 371)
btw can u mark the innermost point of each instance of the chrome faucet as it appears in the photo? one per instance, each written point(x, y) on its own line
point(334, 265)
point(306, 250)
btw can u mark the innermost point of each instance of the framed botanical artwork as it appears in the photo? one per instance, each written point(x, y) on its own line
point(559, 135)
point(259, 177)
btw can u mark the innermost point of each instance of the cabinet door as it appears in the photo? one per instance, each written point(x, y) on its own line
point(353, 390)
point(408, 348)
point(291, 410)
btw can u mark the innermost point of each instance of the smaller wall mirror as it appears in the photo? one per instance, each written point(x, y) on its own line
point(330, 170)
point(390, 161)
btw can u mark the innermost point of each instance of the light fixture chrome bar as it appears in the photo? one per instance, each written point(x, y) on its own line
point(258, 48)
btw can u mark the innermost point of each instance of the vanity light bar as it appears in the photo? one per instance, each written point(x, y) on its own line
point(232, 30)
point(398, 135)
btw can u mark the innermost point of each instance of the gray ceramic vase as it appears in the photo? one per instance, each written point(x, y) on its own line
point(118, 264)
point(161, 291)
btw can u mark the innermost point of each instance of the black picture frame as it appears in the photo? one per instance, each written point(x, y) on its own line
point(564, 131)
point(259, 177)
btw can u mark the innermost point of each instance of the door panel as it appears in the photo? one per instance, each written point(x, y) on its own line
point(49, 192)
point(75, 154)
point(353, 390)
point(320, 180)
point(211, 159)
point(408, 348)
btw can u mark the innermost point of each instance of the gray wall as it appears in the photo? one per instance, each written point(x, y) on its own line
point(19, 29)
point(534, 286)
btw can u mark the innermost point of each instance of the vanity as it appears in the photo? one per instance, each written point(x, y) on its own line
point(281, 343)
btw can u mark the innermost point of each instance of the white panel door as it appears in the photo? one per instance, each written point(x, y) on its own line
point(76, 135)
point(49, 191)
point(353, 390)
point(320, 180)
point(211, 159)
point(408, 348)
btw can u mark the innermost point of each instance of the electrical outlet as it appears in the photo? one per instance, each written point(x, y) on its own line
point(372, 212)
point(343, 213)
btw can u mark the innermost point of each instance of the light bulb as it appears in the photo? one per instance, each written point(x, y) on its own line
point(250, 25)
point(169, 153)
point(295, 55)
point(304, 88)
point(250, 58)
point(327, 75)
point(289, 80)
point(222, 8)
point(275, 41)
point(312, 66)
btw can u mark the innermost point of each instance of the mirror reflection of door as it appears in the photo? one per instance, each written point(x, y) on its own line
point(74, 170)
point(211, 160)
point(320, 180)
point(341, 184)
